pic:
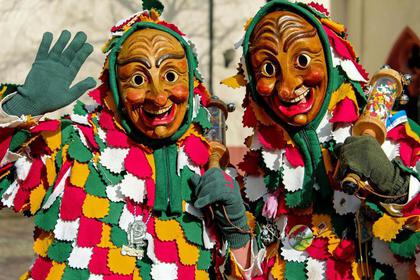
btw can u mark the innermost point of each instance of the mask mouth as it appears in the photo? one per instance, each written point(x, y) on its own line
point(155, 116)
point(300, 104)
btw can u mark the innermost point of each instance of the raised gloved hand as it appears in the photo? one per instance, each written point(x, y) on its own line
point(218, 190)
point(364, 156)
point(47, 86)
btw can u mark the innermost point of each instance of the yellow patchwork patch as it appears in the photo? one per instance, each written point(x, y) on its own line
point(168, 230)
point(42, 243)
point(386, 228)
point(278, 269)
point(56, 271)
point(95, 207)
point(201, 275)
point(106, 237)
point(345, 90)
point(136, 274)
point(236, 81)
point(120, 264)
point(51, 169)
point(188, 253)
point(52, 139)
point(35, 198)
point(79, 174)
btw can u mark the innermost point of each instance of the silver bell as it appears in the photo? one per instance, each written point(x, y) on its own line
point(407, 79)
point(404, 99)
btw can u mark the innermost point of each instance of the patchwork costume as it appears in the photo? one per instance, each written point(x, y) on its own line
point(108, 202)
point(310, 227)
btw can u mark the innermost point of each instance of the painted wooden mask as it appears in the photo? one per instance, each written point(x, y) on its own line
point(289, 66)
point(153, 82)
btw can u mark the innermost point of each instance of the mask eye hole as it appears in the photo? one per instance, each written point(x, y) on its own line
point(303, 60)
point(171, 76)
point(137, 80)
point(268, 69)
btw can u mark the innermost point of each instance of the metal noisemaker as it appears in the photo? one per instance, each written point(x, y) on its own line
point(385, 88)
point(219, 154)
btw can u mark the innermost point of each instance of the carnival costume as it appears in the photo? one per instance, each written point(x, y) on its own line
point(108, 201)
point(311, 228)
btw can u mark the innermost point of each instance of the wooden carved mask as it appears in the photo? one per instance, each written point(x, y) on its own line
point(153, 82)
point(289, 66)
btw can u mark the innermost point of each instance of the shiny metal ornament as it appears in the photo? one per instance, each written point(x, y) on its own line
point(300, 237)
point(404, 99)
point(269, 234)
point(136, 240)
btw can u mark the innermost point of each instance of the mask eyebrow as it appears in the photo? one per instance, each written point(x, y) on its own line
point(141, 60)
point(164, 57)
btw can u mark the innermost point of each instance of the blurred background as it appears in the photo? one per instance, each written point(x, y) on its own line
point(381, 31)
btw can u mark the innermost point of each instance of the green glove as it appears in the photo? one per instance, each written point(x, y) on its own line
point(47, 86)
point(364, 156)
point(217, 189)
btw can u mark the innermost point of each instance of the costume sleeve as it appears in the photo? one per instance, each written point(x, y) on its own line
point(28, 159)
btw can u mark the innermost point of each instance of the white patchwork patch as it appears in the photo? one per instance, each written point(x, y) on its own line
point(190, 209)
point(292, 176)
point(341, 133)
point(183, 160)
point(414, 188)
point(66, 231)
point(345, 203)
point(80, 119)
point(273, 159)
point(58, 190)
point(114, 193)
point(292, 255)
point(101, 134)
point(126, 219)
point(255, 187)
point(82, 137)
point(80, 257)
point(196, 105)
point(381, 253)
point(207, 241)
point(315, 269)
point(281, 223)
point(255, 144)
point(95, 277)
point(232, 172)
point(9, 195)
point(150, 250)
point(133, 187)
point(23, 166)
point(164, 271)
point(348, 67)
point(113, 159)
point(324, 130)
point(91, 107)
point(418, 263)
point(9, 157)
point(391, 149)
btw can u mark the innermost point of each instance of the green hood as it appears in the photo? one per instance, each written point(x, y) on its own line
point(193, 73)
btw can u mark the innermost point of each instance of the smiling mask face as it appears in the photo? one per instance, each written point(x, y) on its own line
point(289, 67)
point(153, 82)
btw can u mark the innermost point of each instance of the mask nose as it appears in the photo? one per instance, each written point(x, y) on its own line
point(157, 96)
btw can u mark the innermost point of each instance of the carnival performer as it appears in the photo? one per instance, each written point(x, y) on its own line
point(303, 96)
point(117, 189)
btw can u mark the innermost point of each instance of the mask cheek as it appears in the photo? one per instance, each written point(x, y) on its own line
point(265, 86)
point(179, 94)
point(135, 95)
point(314, 77)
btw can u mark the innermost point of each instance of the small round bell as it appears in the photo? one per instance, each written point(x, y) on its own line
point(407, 79)
point(386, 66)
point(231, 107)
point(404, 99)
